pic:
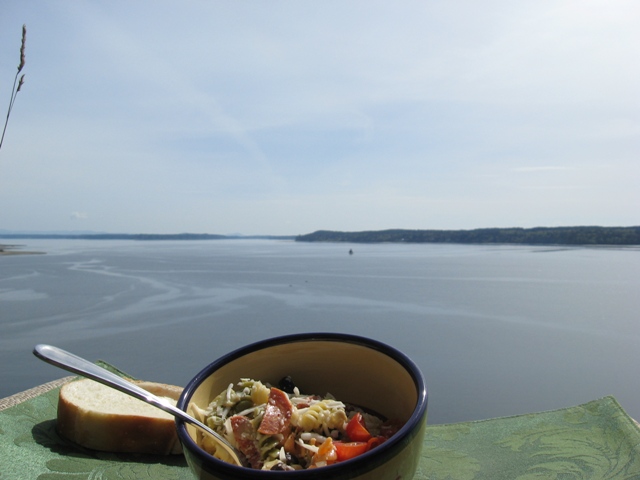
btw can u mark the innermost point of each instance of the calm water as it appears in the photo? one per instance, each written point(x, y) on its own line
point(497, 330)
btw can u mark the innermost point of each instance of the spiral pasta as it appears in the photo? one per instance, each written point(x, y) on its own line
point(322, 416)
point(277, 430)
point(269, 447)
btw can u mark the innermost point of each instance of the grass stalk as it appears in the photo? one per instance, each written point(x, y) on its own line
point(19, 83)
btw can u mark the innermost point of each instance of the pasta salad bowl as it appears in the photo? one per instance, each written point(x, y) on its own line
point(308, 406)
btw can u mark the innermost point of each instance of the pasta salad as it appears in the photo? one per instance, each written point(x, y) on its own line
point(283, 429)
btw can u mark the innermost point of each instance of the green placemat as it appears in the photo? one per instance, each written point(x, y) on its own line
point(594, 440)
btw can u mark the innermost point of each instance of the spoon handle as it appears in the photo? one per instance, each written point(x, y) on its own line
point(68, 361)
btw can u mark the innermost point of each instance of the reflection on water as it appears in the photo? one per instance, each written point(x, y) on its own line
point(497, 330)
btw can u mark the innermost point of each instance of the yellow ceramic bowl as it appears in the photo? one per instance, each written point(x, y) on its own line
point(354, 369)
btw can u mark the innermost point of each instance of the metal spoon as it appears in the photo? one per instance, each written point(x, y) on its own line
point(75, 364)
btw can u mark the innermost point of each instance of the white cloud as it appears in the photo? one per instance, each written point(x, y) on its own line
point(78, 216)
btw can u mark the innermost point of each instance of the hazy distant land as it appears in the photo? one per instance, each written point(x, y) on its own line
point(138, 236)
point(583, 235)
point(17, 249)
point(524, 236)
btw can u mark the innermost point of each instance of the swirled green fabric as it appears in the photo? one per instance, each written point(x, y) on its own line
point(596, 440)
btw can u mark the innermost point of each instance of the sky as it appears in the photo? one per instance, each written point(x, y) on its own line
point(287, 117)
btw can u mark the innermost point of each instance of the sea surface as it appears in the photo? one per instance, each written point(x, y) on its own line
point(497, 330)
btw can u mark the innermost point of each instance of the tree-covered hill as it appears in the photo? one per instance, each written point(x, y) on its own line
point(525, 236)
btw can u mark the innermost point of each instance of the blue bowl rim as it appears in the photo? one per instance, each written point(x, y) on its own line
point(361, 464)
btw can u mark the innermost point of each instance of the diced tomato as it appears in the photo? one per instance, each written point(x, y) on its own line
point(356, 429)
point(373, 442)
point(277, 413)
point(347, 450)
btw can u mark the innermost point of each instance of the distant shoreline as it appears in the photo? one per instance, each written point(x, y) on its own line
point(6, 250)
point(13, 250)
point(138, 236)
point(578, 235)
point(588, 235)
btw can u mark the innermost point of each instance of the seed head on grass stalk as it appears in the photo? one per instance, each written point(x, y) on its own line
point(14, 89)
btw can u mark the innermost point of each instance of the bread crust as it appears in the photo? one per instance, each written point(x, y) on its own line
point(126, 431)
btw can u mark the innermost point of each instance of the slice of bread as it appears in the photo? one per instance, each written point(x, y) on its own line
point(102, 418)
